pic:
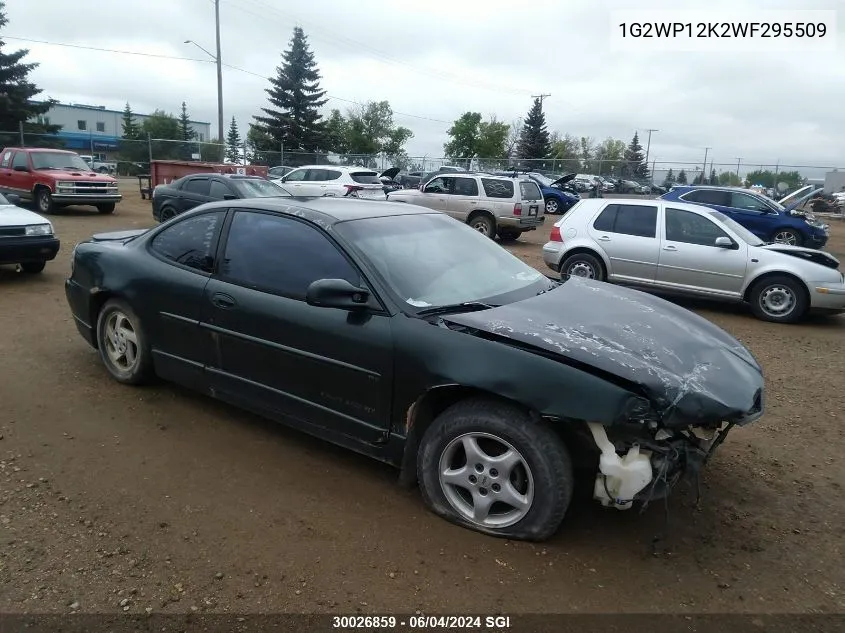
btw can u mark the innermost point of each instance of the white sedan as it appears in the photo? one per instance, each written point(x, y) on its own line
point(26, 238)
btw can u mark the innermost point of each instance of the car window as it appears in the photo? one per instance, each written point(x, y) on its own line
point(628, 219)
point(691, 228)
point(281, 255)
point(218, 190)
point(259, 188)
point(190, 242)
point(20, 160)
point(466, 187)
point(297, 175)
point(530, 191)
point(438, 185)
point(199, 186)
point(364, 177)
point(7, 156)
point(747, 203)
point(708, 196)
point(497, 188)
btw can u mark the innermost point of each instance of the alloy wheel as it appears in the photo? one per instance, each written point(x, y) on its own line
point(121, 341)
point(786, 237)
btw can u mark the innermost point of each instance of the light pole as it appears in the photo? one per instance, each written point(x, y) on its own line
point(218, 60)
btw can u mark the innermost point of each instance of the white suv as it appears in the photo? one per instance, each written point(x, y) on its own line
point(492, 205)
point(334, 181)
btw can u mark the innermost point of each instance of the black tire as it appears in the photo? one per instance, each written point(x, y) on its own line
point(787, 236)
point(483, 223)
point(770, 292)
point(141, 370)
point(33, 267)
point(106, 208)
point(167, 212)
point(44, 200)
point(548, 474)
point(509, 236)
point(553, 206)
point(582, 262)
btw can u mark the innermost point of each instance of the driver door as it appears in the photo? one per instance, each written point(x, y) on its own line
point(436, 193)
point(690, 260)
point(752, 213)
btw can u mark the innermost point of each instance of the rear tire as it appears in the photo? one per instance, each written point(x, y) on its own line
point(33, 267)
point(522, 492)
point(483, 223)
point(167, 213)
point(509, 236)
point(779, 299)
point(122, 344)
point(582, 265)
point(106, 208)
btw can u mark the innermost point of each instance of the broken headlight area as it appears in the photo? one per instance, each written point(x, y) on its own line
point(638, 462)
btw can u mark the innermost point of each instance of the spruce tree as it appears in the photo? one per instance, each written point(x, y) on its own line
point(131, 130)
point(293, 118)
point(233, 143)
point(185, 128)
point(534, 140)
point(635, 167)
point(682, 177)
point(714, 179)
point(17, 92)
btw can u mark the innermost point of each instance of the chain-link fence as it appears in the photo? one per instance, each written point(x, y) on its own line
point(129, 157)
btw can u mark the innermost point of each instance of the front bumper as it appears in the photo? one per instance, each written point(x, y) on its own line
point(520, 223)
point(17, 250)
point(827, 296)
point(70, 198)
point(79, 301)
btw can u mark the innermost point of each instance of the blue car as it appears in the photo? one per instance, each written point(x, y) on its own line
point(767, 219)
point(557, 199)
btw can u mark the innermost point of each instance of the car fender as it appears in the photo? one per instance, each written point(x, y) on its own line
point(44, 183)
point(771, 269)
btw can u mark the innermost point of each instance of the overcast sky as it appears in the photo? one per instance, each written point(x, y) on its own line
point(435, 61)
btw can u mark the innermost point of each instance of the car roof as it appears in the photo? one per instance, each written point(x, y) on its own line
point(329, 209)
point(341, 167)
point(587, 203)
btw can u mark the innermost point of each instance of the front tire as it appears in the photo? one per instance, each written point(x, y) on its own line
point(44, 200)
point(122, 344)
point(552, 206)
point(582, 265)
point(779, 299)
point(788, 237)
point(488, 466)
point(106, 208)
point(33, 267)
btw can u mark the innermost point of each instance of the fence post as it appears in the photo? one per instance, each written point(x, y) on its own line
point(150, 149)
point(281, 153)
point(245, 161)
point(20, 129)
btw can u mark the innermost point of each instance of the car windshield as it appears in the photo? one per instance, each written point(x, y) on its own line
point(772, 203)
point(743, 233)
point(258, 188)
point(431, 260)
point(58, 160)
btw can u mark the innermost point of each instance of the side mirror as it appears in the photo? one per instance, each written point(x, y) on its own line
point(21, 168)
point(13, 198)
point(337, 293)
point(726, 242)
point(229, 196)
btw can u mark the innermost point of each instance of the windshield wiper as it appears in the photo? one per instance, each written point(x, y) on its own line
point(466, 306)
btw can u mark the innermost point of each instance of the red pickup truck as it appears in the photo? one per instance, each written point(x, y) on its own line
point(53, 178)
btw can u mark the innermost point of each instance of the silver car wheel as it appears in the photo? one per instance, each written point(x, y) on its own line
point(552, 206)
point(486, 480)
point(786, 237)
point(777, 301)
point(581, 269)
point(44, 201)
point(121, 341)
point(482, 226)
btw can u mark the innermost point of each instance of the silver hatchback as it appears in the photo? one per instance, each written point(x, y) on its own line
point(693, 250)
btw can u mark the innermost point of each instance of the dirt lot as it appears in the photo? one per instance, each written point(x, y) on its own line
point(124, 499)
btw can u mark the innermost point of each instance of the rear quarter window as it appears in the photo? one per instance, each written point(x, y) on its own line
point(497, 188)
point(530, 191)
point(365, 177)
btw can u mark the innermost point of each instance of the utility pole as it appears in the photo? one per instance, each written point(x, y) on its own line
point(704, 170)
point(738, 161)
point(541, 98)
point(219, 77)
point(648, 144)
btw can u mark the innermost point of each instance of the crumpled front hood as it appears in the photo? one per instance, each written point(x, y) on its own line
point(691, 370)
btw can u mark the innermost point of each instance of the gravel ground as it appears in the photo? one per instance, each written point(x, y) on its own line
point(158, 500)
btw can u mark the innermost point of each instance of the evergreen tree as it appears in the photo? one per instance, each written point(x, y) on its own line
point(682, 177)
point(293, 118)
point(635, 166)
point(185, 128)
point(131, 130)
point(670, 178)
point(714, 179)
point(233, 143)
point(534, 141)
point(16, 92)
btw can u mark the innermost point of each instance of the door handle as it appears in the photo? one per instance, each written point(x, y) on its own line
point(223, 300)
point(604, 238)
point(669, 248)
